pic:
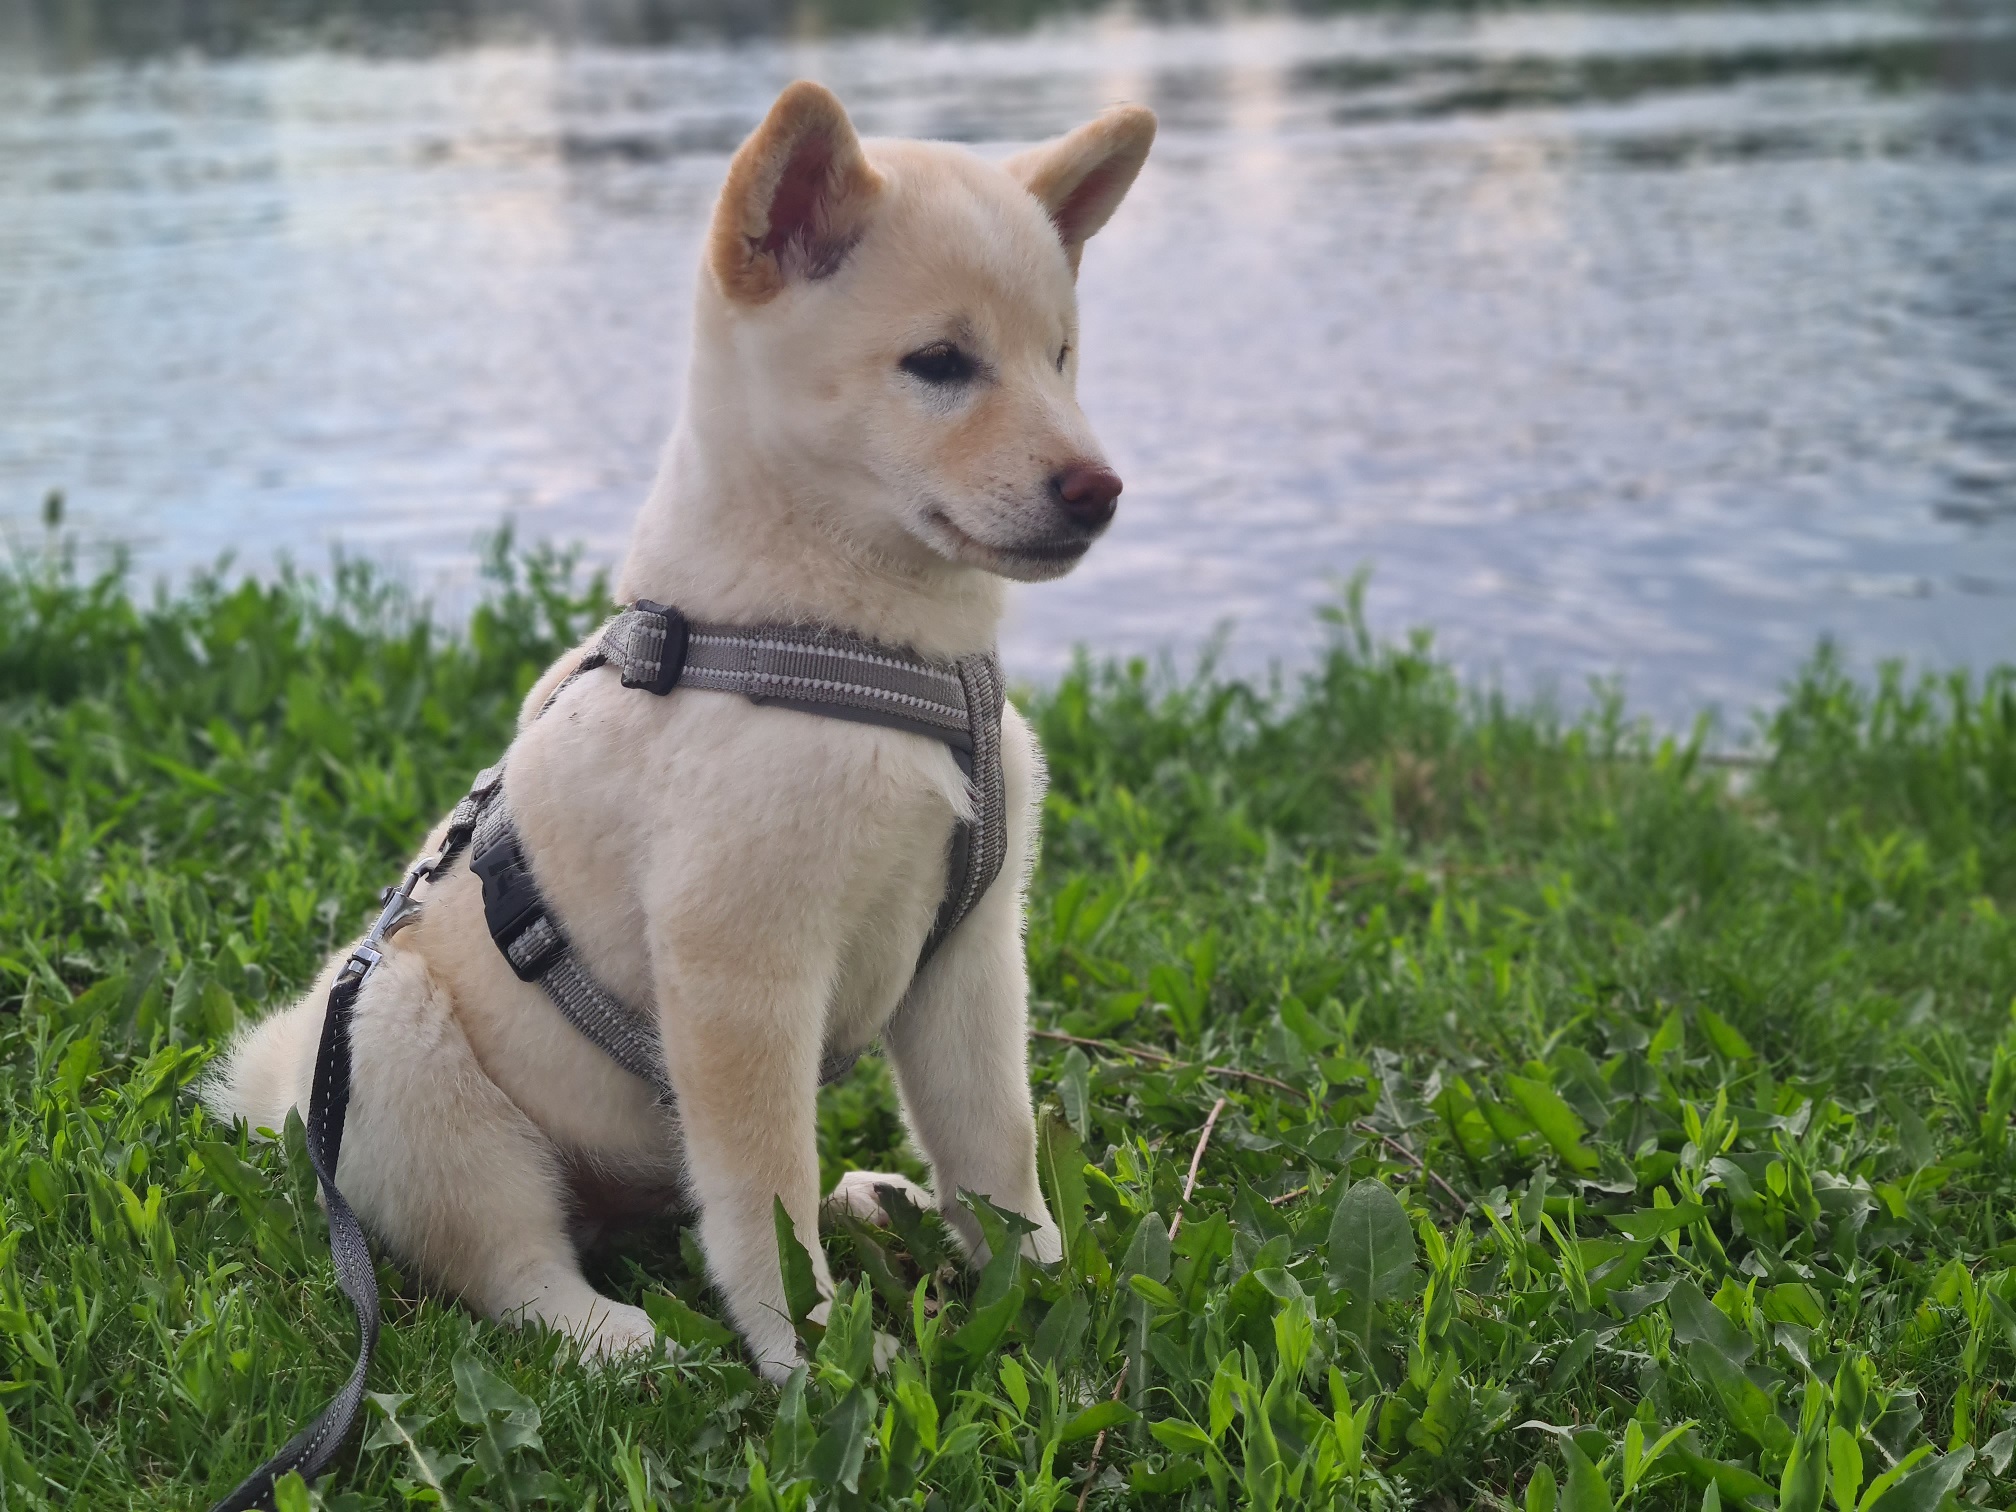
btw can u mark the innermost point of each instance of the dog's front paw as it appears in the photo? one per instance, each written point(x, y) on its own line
point(859, 1193)
point(1045, 1246)
point(777, 1371)
point(611, 1332)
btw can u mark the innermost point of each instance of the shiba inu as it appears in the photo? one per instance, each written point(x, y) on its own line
point(881, 426)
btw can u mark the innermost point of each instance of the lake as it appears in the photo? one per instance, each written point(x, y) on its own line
point(1645, 342)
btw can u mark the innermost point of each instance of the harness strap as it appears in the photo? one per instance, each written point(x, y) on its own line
point(654, 647)
point(978, 846)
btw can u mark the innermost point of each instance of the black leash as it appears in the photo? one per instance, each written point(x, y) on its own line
point(310, 1451)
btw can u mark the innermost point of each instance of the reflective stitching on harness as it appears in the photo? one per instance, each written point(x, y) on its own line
point(629, 1040)
point(944, 682)
point(764, 682)
point(537, 939)
point(816, 665)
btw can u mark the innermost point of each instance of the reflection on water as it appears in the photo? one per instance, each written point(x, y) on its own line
point(87, 30)
point(1646, 341)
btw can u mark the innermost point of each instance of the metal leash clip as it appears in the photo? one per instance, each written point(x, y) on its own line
point(399, 911)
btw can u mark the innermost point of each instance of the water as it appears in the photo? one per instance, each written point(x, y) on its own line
point(1639, 342)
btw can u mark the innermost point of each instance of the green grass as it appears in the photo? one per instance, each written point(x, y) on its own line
point(1716, 1058)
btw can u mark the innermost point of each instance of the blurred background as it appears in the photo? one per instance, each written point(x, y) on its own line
point(1637, 340)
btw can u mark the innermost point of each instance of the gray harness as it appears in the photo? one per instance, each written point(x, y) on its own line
point(653, 648)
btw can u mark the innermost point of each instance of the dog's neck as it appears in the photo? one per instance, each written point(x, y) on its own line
point(730, 537)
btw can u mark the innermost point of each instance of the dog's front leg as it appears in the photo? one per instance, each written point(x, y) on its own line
point(960, 1049)
point(742, 1031)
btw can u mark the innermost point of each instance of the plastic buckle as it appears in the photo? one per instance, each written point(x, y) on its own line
point(512, 905)
point(671, 648)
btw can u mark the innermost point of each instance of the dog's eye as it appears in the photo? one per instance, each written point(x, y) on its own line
point(941, 364)
point(1063, 352)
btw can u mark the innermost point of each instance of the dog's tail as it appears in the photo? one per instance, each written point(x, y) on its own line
point(267, 1069)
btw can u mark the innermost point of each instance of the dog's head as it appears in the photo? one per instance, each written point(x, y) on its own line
point(902, 318)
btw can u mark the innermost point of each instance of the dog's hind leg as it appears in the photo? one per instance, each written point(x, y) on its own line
point(444, 1170)
point(449, 1173)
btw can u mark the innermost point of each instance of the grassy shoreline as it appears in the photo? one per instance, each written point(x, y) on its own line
point(1572, 1094)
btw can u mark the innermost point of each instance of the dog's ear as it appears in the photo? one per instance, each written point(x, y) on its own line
point(1081, 178)
point(797, 197)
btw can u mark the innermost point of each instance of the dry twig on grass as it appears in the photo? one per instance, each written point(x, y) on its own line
point(1196, 1159)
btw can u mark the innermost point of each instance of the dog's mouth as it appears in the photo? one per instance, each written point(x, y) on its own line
point(1025, 560)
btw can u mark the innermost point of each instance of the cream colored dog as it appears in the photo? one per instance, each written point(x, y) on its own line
point(880, 426)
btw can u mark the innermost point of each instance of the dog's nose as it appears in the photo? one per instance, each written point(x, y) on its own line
point(1087, 491)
